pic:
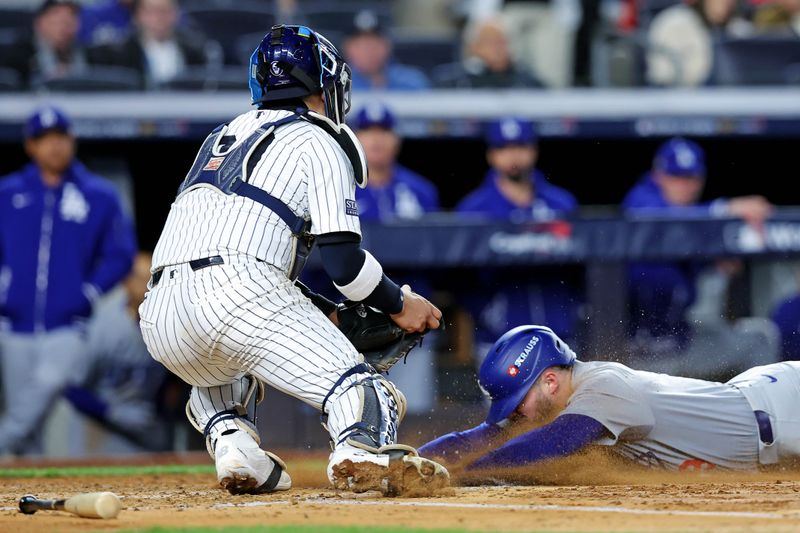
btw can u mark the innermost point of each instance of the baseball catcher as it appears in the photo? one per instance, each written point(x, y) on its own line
point(223, 312)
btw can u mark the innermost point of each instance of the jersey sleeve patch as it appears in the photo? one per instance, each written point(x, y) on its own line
point(351, 207)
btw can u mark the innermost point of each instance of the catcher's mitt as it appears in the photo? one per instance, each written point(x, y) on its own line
point(376, 335)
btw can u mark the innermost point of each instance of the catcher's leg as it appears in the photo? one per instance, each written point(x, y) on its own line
point(296, 349)
point(364, 411)
point(226, 415)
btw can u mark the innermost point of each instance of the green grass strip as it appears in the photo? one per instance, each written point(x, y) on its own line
point(77, 471)
point(296, 529)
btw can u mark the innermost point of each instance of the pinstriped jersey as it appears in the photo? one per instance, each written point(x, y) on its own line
point(303, 166)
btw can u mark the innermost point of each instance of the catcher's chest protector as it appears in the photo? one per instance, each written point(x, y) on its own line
point(228, 169)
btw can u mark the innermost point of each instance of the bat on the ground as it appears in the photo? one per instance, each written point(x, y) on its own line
point(89, 505)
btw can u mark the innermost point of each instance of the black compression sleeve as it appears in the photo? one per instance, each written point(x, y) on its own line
point(343, 261)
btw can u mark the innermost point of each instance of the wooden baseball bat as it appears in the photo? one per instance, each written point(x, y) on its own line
point(89, 505)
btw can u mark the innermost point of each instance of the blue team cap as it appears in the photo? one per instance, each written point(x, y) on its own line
point(46, 119)
point(680, 157)
point(374, 114)
point(508, 131)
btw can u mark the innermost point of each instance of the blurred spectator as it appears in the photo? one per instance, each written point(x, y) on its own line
point(678, 321)
point(106, 21)
point(157, 48)
point(52, 50)
point(681, 40)
point(541, 34)
point(368, 51)
point(124, 380)
point(786, 316)
point(393, 191)
point(778, 17)
point(515, 190)
point(487, 62)
point(64, 242)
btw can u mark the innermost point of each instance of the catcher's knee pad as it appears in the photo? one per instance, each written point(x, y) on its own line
point(366, 413)
point(215, 410)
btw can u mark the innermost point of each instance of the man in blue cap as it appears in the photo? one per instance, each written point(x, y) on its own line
point(393, 191)
point(545, 403)
point(667, 297)
point(64, 242)
point(515, 190)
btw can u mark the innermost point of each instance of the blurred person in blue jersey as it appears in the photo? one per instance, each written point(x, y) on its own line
point(64, 242)
point(515, 190)
point(368, 51)
point(106, 21)
point(786, 315)
point(124, 382)
point(393, 191)
point(678, 321)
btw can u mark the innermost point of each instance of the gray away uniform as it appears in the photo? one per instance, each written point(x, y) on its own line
point(681, 423)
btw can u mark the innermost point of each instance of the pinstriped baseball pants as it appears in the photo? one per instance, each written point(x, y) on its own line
point(215, 326)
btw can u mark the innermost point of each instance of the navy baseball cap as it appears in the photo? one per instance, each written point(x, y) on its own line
point(374, 114)
point(509, 131)
point(365, 21)
point(46, 119)
point(680, 157)
point(47, 4)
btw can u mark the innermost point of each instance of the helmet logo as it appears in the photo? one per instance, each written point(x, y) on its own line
point(275, 69)
point(513, 370)
point(526, 352)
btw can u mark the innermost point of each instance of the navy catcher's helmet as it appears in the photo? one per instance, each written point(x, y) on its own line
point(515, 362)
point(295, 61)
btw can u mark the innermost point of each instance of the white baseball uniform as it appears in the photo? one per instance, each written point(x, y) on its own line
point(216, 325)
point(682, 423)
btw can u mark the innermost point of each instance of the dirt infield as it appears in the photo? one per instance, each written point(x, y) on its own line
point(657, 502)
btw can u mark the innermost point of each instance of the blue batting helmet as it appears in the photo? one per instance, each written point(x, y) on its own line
point(295, 61)
point(515, 362)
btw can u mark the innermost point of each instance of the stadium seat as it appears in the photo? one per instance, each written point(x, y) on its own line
point(97, 79)
point(245, 45)
point(226, 25)
point(9, 80)
point(204, 79)
point(333, 19)
point(756, 61)
point(15, 18)
point(650, 8)
point(424, 52)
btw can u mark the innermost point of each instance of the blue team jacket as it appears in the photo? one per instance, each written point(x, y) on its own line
point(60, 248)
point(407, 196)
point(550, 201)
point(660, 293)
point(504, 301)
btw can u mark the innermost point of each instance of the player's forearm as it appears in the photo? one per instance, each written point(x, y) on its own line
point(455, 446)
point(564, 436)
point(322, 303)
point(358, 275)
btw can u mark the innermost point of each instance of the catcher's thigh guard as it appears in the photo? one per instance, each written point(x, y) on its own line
point(363, 410)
